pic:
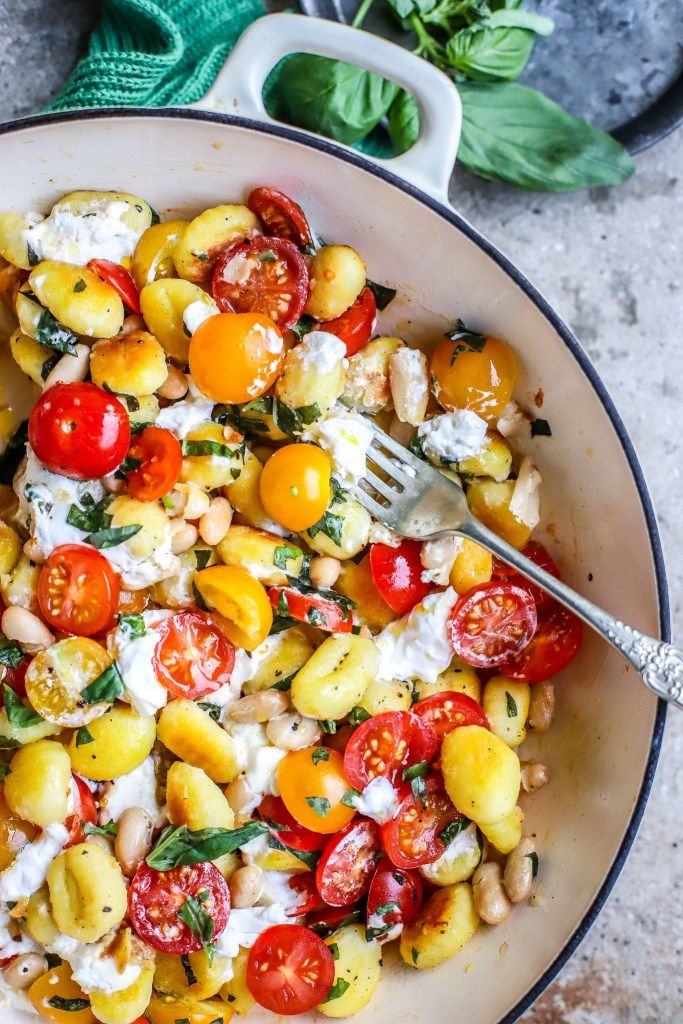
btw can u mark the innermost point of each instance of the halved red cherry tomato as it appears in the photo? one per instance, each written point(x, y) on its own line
point(120, 280)
point(306, 887)
point(265, 275)
point(272, 810)
point(385, 744)
point(554, 646)
point(503, 573)
point(78, 591)
point(323, 612)
point(394, 899)
point(156, 897)
point(491, 623)
point(326, 921)
point(397, 573)
point(160, 456)
point(85, 810)
point(192, 657)
point(289, 970)
point(348, 862)
point(356, 324)
point(412, 838)
point(280, 215)
point(16, 677)
point(446, 711)
point(79, 430)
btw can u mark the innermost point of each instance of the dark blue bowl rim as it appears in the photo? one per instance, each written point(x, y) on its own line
point(448, 214)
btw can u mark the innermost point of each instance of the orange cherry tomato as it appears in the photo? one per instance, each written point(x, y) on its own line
point(14, 833)
point(295, 485)
point(78, 591)
point(132, 602)
point(312, 789)
point(160, 457)
point(481, 380)
point(235, 357)
point(56, 997)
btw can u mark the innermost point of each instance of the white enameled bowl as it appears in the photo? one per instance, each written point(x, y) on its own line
point(597, 516)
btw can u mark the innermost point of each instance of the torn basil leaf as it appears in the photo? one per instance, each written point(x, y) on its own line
point(84, 736)
point(20, 715)
point(453, 829)
point(293, 421)
point(540, 428)
point(510, 705)
point(53, 334)
point(110, 829)
point(383, 295)
point(198, 920)
point(105, 688)
point(180, 846)
point(132, 626)
point(112, 537)
point(11, 654)
point(207, 447)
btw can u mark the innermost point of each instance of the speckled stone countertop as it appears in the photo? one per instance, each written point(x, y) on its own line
point(610, 262)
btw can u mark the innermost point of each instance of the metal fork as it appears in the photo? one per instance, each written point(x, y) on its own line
point(415, 500)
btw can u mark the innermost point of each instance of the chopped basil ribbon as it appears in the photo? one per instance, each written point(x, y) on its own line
point(200, 923)
point(212, 710)
point(207, 447)
point(84, 736)
point(110, 829)
point(177, 847)
point(19, 714)
point(286, 553)
point(415, 771)
point(307, 857)
point(350, 795)
point(320, 805)
point(69, 1005)
point(105, 688)
point(320, 754)
point(293, 421)
point(338, 989)
point(202, 557)
point(383, 294)
point(89, 515)
point(187, 968)
point(55, 335)
point(132, 626)
point(33, 257)
point(112, 537)
point(357, 715)
point(510, 705)
point(11, 654)
point(453, 829)
point(131, 402)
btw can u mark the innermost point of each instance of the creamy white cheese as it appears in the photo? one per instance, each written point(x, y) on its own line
point(257, 759)
point(138, 572)
point(464, 843)
point(135, 661)
point(417, 646)
point(437, 557)
point(44, 502)
point(381, 534)
point(245, 926)
point(28, 870)
point(453, 436)
point(379, 801)
point(12, 939)
point(525, 503)
point(198, 312)
point(73, 238)
point(136, 789)
point(377, 924)
point(92, 969)
point(346, 437)
point(321, 351)
point(511, 421)
point(187, 414)
point(276, 891)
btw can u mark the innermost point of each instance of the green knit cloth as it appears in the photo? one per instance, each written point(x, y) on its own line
point(155, 53)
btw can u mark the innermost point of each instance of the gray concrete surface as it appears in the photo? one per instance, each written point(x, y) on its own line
point(610, 262)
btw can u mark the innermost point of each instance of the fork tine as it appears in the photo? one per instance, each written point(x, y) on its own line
point(381, 486)
point(396, 449)
point(372, 506)
point(396, 472)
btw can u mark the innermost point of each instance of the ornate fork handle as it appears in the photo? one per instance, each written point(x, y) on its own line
point(659, 663)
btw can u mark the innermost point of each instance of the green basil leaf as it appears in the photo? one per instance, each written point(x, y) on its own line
point(202, 557)
point(540, 428)
point(200, 923)
point(19, 714)
point(84, 736)
point(49, 365)
point(338, 989)
point(349, 796)
point(33, 257)
point(334, 950)
point(404, 121)
point(453, 829)
point(331, 525)
point(80, 286)
point(212, 710)
point(110, 829)
point(112, 537)
point(190, 976)
point(327, 725)
point(89, 515)
point(53, 334)
point(105, 688)
point(305, 324)
point(308, 857)
point(11, 654)
point(207, 447)
point(180, 846)
point(387, 908)
point(132, 626)
point(283, 685)
point(4, 771)
point(13, 453)
point(320, 754)
point(292, 421)
point(414, 954)
point(533, 857)
point(383, 294)
point(68, 1005)
point(471, 339)
point(266, 256)
point(415, 771)
point(357, 715)
point(8, 741)
point(487, 54)
point(320, 805)
point(285, 553)
point(198, 599)
point(508, 17)
point(510, 705)
point(515, 135)
point(323, 930)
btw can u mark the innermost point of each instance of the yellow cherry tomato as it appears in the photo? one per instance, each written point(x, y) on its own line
point(481, 381)
point(235, 357)
point(240, 600)
point(54, 987)
point(295, 485)
point(152, 257)
point(56, 677)
point(312, 789)
point(14, 833)
point(166, 1010)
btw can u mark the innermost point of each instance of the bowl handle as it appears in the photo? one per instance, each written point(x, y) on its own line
point(238, 88)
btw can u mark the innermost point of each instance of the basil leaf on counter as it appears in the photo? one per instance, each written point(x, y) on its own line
point(404, 121)
point(19, 714)
point(180, 846)
point(53, 334)
point(105, 688)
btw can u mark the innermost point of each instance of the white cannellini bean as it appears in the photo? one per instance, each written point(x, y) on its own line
point(33, 552)
point(535, 775)
point(183, 536)
point(518, 876)
point(541, 707)
point(292, 731)
point(134, 839)
point(196, 501)
point(409, 383)
point(70, 368)
point(25, 969)
point(215, 522)
point(490, 899)
point(239, 795)
point(259, 707)
point(26, 629)
point(245, 886)
point(324, 571)
point(175, 385)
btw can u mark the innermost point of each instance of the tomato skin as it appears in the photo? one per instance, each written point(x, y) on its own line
point(155, 897)
point(161, 456)
point(295, 485)
point(355, 325)
point(314, 609)
point(412, 838)
point(78, 591)
point(277, 288)
point(234, 357)
point(86, 810)
point(553, 647)
point(289, 970)
point(305, 885)
point(79, 431)
point(16, 677)
point(449, 710)
point(386, 744)
point(280, 215)
point(393, 885)
point(347, 864)
point(273, 811)
point(492, 622)
point(397, 573)
point(538, 554)
point(301, 779)
point(192, 657)
point(120, 280)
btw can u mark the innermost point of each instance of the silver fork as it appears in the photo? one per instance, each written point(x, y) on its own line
point(415, 500)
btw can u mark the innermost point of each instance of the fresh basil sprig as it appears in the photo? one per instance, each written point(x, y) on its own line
point(180, 846)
